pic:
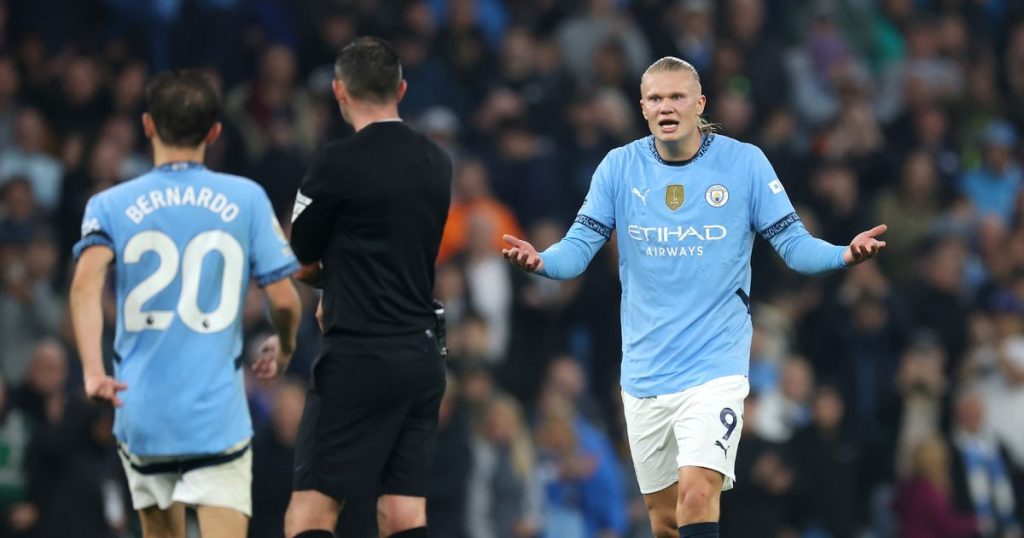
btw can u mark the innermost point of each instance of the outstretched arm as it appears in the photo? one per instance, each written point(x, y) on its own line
point(807, 254)
point(564, 260)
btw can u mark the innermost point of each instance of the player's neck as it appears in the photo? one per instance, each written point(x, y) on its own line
point(362, 115)
point(679, 150)
point(168, 154)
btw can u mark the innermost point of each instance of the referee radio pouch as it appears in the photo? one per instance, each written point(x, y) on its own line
point(440, 328)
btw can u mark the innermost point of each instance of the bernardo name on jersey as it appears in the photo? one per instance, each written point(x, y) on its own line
point(186, 242)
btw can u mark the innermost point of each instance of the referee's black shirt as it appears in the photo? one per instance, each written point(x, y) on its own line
point(372, 208)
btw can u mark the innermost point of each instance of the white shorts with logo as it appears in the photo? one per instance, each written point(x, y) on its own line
point(223, 480)
point(698, 427)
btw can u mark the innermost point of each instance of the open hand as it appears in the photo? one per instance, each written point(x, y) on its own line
point(865, 246)
point(104, 389)
point(522, 254)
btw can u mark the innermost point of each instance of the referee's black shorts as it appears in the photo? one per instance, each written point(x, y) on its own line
point(370, 423)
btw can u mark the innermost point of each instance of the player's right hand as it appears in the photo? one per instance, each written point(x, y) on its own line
point(522, 254)
point(272, 359)
point(104, 389)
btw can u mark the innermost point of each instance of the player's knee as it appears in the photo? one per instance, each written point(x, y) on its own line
point(695, 499)
point(306, 513)
point(664, 527)
point(396, 513)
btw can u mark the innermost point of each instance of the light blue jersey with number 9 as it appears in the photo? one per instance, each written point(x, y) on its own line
point(186, 242)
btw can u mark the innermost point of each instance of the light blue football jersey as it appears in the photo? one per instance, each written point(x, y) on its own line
point(685, 232)
point(186, 242)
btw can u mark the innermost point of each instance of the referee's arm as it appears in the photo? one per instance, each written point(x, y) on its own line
point(312, 222)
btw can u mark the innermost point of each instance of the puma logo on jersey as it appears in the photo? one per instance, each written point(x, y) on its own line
point(725, 449)
point(642, 197)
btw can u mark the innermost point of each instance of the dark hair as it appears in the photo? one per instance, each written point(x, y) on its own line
point(370, 69)
point(184, 106)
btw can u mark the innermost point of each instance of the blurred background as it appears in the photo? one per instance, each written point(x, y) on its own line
point(887, 400)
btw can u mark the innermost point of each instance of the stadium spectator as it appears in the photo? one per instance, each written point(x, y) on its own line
point(786, 408)
point(30, 308)
point(28, 157)
point(981, 474)
point(923, 501)
point(996, 187)
point(503, 498)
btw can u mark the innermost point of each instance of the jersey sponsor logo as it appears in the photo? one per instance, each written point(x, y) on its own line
point(667, 234)
point(779, 226)
point(775, 186)
point(717, 195)
point(593, 224)
point(301, 203)
point(664, 234)
point(674, 196)
point(90, 226)
point(642, 197)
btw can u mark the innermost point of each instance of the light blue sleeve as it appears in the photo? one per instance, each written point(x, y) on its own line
point(270, 257)
point(772, 215)
point(590, 230)
point(805, 253)
point(96, 227)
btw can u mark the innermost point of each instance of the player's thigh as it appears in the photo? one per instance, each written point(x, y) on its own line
point(150, 491)
point(708, 425)
point(652, 441)
point(157, 523)
point(226, 485)
point(216, 521)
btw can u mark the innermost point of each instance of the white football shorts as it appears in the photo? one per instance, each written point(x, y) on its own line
point(222, 480)
point(698, 427)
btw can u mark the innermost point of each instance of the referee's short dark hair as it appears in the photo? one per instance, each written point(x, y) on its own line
point(370, 69)
point(184, 106)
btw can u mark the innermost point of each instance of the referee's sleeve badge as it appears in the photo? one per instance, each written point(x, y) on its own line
point(301, 203)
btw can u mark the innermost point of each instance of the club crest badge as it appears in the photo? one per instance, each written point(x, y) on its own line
point(674, 196)
point(717, 195)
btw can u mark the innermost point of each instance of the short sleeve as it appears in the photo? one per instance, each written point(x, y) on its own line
point(598, 211)
point(270, 257)
point(312, 216)
point(96, 228)
point(771, 211)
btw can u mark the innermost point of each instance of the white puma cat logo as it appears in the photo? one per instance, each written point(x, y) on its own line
point(642, 197)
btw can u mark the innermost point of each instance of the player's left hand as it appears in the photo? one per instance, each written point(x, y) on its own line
point(865, 246)
point(272, 360)
point(104, 389)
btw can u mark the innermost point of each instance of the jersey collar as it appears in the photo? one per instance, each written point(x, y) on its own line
point(705, 143)
point(177, 166)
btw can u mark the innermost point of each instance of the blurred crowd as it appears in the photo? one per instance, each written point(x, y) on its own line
point(887, 400)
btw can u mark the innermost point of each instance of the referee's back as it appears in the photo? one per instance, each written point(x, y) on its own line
point(372, 208)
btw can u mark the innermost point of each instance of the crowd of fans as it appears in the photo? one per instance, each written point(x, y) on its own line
point(887, 400)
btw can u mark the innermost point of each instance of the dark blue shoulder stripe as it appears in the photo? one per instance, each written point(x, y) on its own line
point(593, 224)
point(93, 238)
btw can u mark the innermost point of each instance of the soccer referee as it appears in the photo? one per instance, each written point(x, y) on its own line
point(367, 226)
point(687, 204)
